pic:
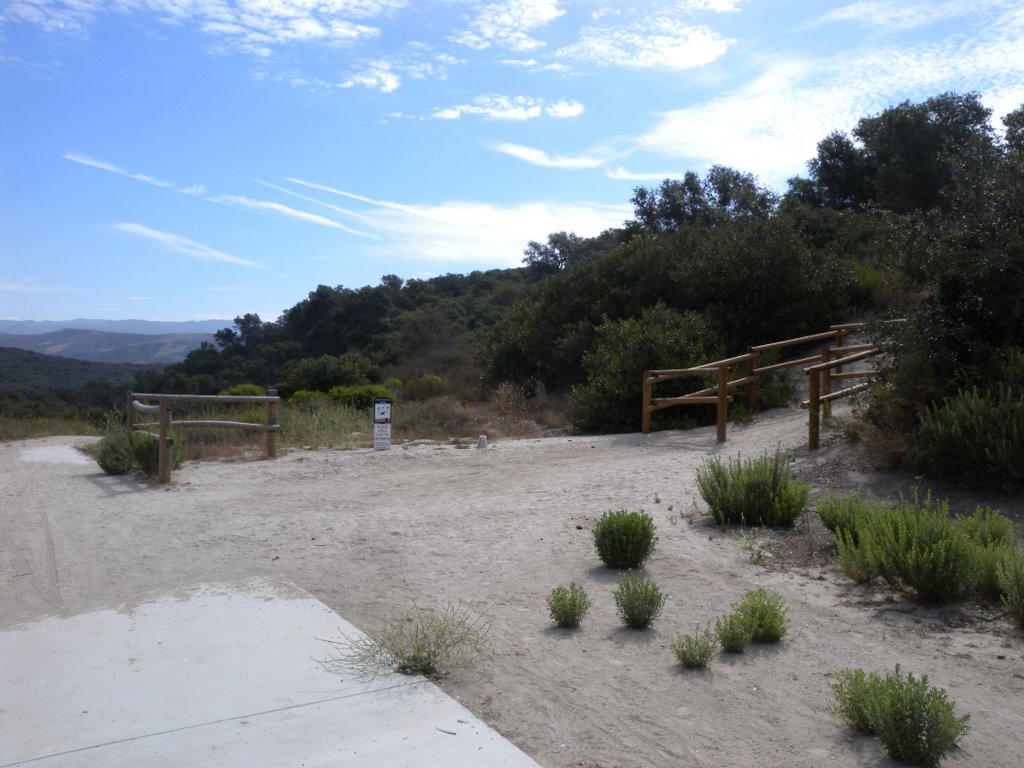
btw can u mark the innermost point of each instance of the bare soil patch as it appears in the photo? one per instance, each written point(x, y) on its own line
point(499, 527)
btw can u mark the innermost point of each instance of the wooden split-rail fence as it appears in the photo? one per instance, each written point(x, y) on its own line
point(142, 403)
point(823, 370)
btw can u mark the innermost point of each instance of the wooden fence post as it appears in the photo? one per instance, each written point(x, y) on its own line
point(164, 440)
point(723, 401)
point(272, 421)
point(752, 386)
point(645, 419)
point(813, 413)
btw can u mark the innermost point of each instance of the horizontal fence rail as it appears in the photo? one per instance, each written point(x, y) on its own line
point(827, 367)
point(165, 421)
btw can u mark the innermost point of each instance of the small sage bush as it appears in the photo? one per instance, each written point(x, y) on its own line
point(915, 546)
point(758, 491)
point(638, 599)
point(733, 633)
point(917, 724)
point(974, 436)
point(694, 651)
point(568, 605)
point(764, 613)
point(624, 539)
point(1011, 583)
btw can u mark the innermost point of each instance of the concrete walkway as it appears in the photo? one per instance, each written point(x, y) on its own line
point(225, 676)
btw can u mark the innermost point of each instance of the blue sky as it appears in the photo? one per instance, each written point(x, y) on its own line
point(193, 159)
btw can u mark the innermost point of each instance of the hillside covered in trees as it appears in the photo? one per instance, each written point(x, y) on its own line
point(918, 212)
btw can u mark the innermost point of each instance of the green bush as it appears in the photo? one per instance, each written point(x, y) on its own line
point(624, 539)
point(568, 605)
point(758, 491)
point(913, 546)
point(695, 651)
point(147, 453)
point(842, 512)
point(638, 599)
point(917, 724)
point(114, 454)
point(1010, 574)
point(733, 633)
point(245, 390)
point(423, 388)
point(308, 399)
point(973, 436)
point(360, 398)
point(660, 337)
point(764, 613)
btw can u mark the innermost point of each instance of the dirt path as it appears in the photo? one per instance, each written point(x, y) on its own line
point(498, 528)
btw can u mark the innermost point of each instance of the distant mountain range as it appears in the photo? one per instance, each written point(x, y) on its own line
point(110, 341)
point(147, 327)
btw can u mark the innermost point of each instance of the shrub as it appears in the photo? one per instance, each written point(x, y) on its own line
point(360, 398)
point(841, 513)
point(758, 491)
point(917, 724)
point(245, 390)
point(733, 633)
point(694, 651)
point(114, 454)
point(913, 546)
point(568, 605)
point(638, 599)
point(1010, 574)
point(624, 539)
point(146, 451)
point(308, 399)
point(973, 436)
point(417, 641)
point(423, 388)
point(764, 614)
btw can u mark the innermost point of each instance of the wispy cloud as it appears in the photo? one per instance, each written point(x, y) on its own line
point(658, 42)
point(378, 76)
point(183, 245)
point(103, 165)
point(543, 159)
point(408, 209)
point(512, 108)
point(509, 24)
point(475, 233)
point(799, 101)
point(622, 174)
point(30, 286)
point(899, 15)
point(284, 210)
point(328, 206)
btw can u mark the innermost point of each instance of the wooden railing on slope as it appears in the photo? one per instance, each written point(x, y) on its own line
point(165, 421)
point(718, 394)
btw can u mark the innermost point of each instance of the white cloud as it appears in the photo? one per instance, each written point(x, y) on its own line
point(564, 108)
point(379, 76)
point(30, 286)
point(286, 211)
point(475, 233)
point(532, 65)
point(495, 107)
point(195, 189)
point(183, 245)
point(103, 165)
point(660, 42)
point(251, 26)
point(898, 15)
point(771, 126)
point(509, 24)
point(622, 174)
point(543, 159)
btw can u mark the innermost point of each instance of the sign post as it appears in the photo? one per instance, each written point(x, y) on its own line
point(382, 424)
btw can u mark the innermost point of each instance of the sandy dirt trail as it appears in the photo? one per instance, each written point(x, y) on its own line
point(497, 528)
